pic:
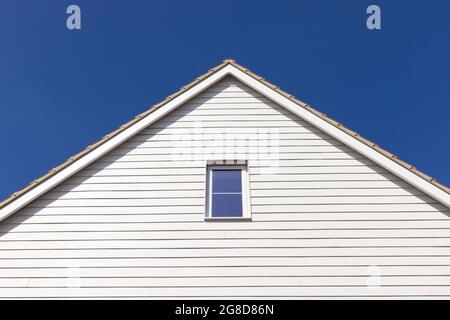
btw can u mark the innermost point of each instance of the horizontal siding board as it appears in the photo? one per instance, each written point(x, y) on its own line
point(258, 189)
point(163, 124)
point(296, 200)
point(256, 171)
point(105, 218)
point(189, 128)
point(264, 193)
point(347, 208)
point(220, 105)
point(112, 210)
point(226, 243)
point(195, 140)
point(144, 172)
point(370, 243)
point(322, 177)
point(212, 100)
point(323, 185)
point(251, 157)
point(207, 262)
point(255, 164)
point(242, 272)
point(336, 192)
point(229, 111)
point(234, 93)
point(188, 201)
point(232, 253)
point(224, 282)
point(300, 291)
point(223, 117)
point(407, 234)
point(147, 194)
point(222, 149)
point(199, 177)
point(117, 186)
point(320, 170)
point(217, 135)
point(355, 216)
point(254, 225)
point(181, 217)
point(139, 179)
point(255, 209)
point(256, 201)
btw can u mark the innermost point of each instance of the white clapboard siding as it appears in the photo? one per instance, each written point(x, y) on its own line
point(232, 253)
point(213, 148)
point(148, 194)
point(123, 157)
point(333, 192)
point(242, 272)
point(256, 202)
point(191, 125)
point(324, 218)
point(182, 217)
point(258, 164)
point(196, 141)
point(324, 185)
point(223, 292)
point(118, 187)
point(223, 282)
point(227, 292)
point(425, 243)
point(255, 225)
point(238, 128)
point(393, 234)
point(229, 112)
point(227, 243)
point(206, 262)
point(195, 191)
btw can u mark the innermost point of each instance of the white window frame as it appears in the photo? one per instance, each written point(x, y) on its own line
point(246, 207)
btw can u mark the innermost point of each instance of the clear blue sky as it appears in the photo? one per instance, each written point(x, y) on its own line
point(61, 90)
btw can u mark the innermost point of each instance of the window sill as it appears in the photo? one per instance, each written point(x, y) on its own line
point(228, 219)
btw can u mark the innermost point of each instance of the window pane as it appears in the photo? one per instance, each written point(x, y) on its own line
point(226, 181)
point(226, 205)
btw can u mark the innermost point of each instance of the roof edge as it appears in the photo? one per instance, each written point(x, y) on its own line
point(341, 127)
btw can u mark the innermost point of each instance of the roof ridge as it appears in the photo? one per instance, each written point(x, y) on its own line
point(225, 62)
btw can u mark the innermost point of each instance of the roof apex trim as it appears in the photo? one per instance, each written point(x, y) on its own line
point(227, 62)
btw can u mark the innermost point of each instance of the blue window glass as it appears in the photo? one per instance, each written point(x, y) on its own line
point(226, 181)
point(226, 197)
point(226, 205)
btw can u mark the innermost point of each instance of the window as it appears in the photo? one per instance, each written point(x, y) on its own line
point(227, 196)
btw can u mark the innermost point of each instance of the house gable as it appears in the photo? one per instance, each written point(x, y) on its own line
point(229, 67)
point(168, 153)
point(131, 223)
